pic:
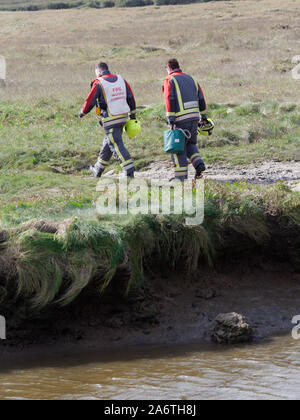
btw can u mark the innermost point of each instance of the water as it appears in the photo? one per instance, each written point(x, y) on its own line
point(269, 370)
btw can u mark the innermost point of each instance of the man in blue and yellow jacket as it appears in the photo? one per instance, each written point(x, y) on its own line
point(185, 109)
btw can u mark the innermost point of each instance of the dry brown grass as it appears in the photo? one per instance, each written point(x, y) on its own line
point(240, 50)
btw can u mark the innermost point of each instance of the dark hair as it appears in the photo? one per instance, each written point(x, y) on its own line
point(173, 64)
point(102, 66)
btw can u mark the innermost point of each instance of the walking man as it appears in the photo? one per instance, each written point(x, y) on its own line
point(185, 109)
point(114, 100)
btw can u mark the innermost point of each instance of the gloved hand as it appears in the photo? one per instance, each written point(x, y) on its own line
point(80, 115)
point(132, 117)
point(203, 119)
point(171, 123)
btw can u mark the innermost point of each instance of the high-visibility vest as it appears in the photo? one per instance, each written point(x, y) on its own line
point(186, 109)
point(115, 97)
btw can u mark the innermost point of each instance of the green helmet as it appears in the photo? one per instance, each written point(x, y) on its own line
point(132, 128)
point(206, 129)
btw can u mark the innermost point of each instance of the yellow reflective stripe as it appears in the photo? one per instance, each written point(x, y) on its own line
point(188, 111)
point(183, 168)
point(178, 95)
point(180, 102)
point(115, 117)
point(117, 150)
point(176, 161)
point(187, 116)
point(195, 155)
point(104, 162)
point(127, 162)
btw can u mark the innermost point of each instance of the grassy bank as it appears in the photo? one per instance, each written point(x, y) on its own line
point(50, 264)
point(46, 151)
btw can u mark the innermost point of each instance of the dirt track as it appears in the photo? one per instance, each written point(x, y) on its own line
point(255, 173)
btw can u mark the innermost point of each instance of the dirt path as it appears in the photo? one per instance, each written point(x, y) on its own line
point(255, 173)
point(260, 173)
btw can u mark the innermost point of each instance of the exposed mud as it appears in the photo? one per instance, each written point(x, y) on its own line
point(170, 308)
point(255, 173)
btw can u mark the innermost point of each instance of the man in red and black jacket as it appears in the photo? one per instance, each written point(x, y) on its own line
point(114, 100)
point(185, 108)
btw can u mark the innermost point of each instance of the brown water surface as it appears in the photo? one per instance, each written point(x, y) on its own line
point(266, 370)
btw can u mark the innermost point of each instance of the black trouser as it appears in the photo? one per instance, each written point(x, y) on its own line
point(113, 146)
point(190, 152)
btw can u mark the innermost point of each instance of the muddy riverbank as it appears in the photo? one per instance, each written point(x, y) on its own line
point(169, 309)
point(153, 279)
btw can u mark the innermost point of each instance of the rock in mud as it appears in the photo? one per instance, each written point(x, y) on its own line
point(206, 294)
point(231, 328)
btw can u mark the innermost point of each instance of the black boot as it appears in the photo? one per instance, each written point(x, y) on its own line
point(130, 174)
point(199, 170)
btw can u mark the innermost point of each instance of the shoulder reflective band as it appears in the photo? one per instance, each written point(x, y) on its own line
point(192, 106)
point(178, 94)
